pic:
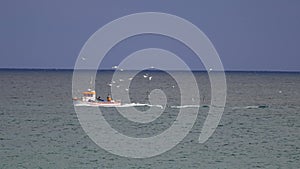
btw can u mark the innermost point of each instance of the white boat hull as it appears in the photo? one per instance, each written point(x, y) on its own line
point(98, 103)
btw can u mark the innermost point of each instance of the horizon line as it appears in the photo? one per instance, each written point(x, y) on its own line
point(68, 69)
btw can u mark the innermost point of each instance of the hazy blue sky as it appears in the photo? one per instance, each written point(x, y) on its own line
point(248, 35)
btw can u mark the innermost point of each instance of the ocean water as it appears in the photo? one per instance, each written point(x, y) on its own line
point(260, 127)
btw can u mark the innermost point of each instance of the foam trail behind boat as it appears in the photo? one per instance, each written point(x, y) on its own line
point(186, 106)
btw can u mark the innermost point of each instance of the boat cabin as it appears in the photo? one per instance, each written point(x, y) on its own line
point(89, 96)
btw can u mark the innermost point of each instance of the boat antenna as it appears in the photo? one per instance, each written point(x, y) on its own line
point(91, 82)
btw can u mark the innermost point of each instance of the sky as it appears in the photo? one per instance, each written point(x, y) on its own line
point(249, 35)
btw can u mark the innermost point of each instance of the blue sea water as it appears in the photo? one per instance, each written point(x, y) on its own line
point(260, 127)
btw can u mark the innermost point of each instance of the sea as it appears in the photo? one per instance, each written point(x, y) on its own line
point(259, 128)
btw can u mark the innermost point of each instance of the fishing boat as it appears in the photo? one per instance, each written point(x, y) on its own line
point(89, 98)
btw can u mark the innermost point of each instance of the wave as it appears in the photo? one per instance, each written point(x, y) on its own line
point(140, 105)
point(253, 107)
point(186, 106)
point(256, 107)
point(208, 106)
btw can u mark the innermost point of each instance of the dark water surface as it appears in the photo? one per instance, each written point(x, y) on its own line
point(260, 127)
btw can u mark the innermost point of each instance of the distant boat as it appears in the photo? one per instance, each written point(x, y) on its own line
point(89, 98)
